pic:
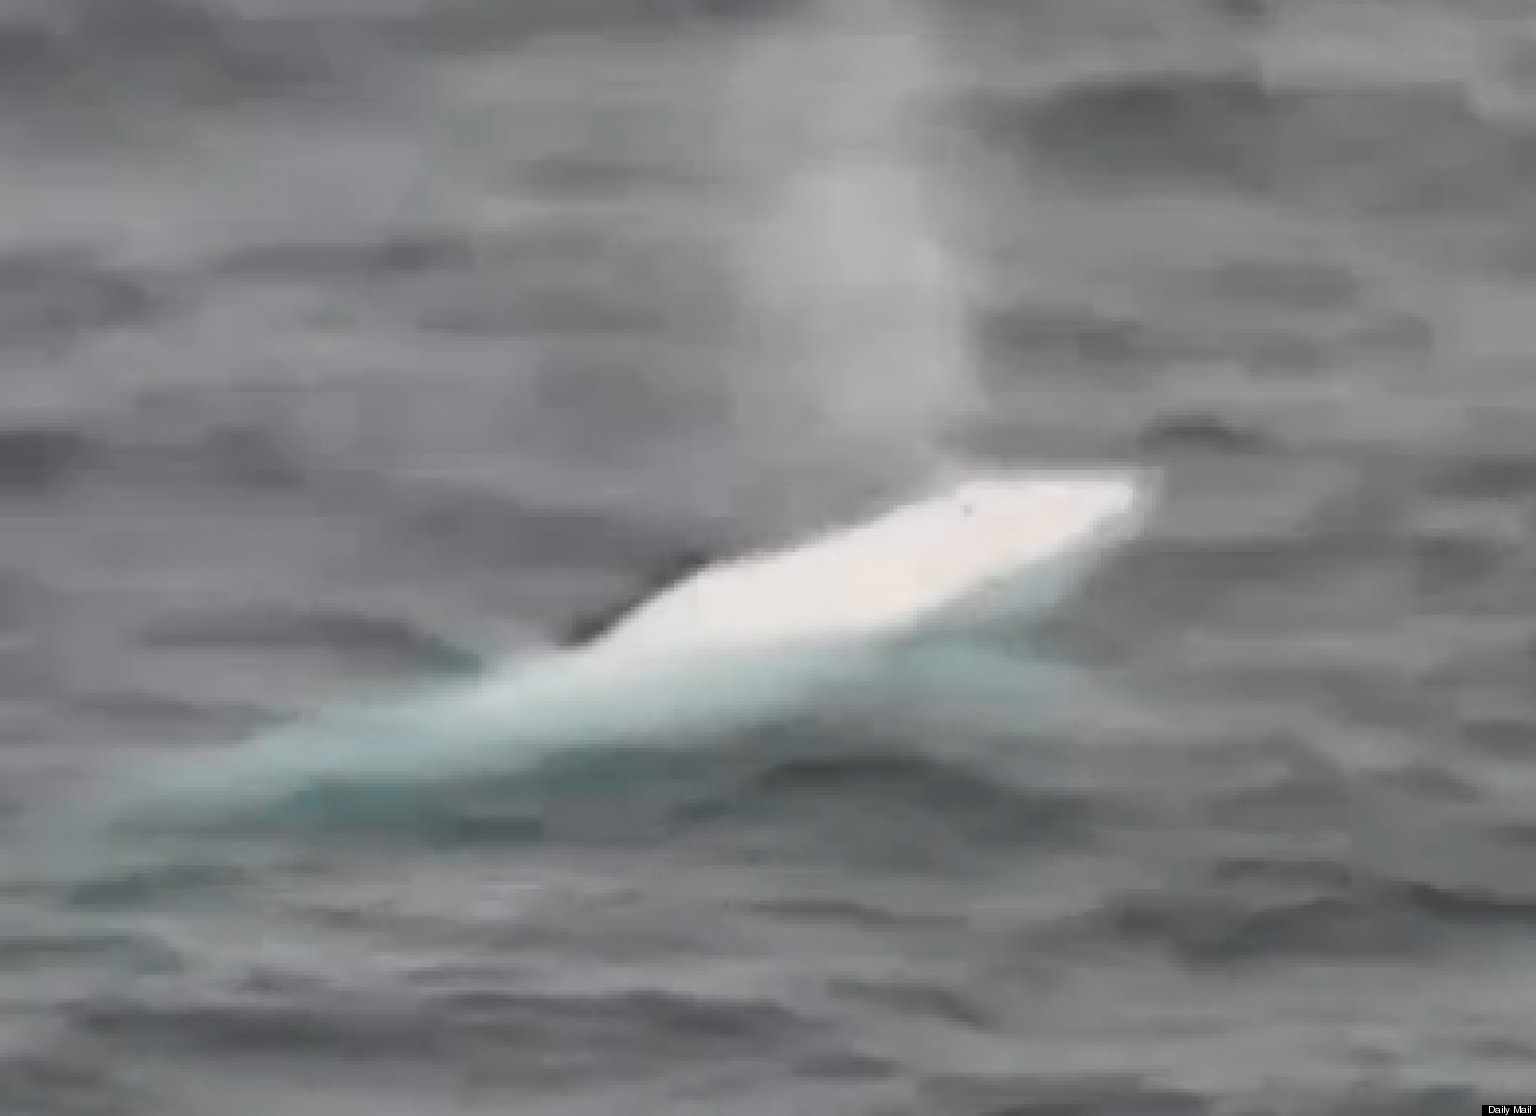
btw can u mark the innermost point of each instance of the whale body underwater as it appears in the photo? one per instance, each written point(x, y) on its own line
point(927, 597)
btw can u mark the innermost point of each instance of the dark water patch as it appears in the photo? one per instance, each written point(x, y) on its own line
point(495, 530)
point(402, 252)
point(70, 1081)
point(1400, 149)
point(1260, 908)
point(1061, 1095)
point(1028, 344)
point(1051, 29)
point(1235, 928)
point(1502, 1048)
point(508, 530)
point(180, 874)
point(26, 599)
point(88, 68)
point(661, 1021)
point(581, 274)
point(1373, 1095)
point(1283, 285)
point(922, 999)
point(583, 277)
point(1272, 351)
point(520, 302)
point(1270, 903)
point(174, 443)
point(1207, 434)
point(1473, 904)
point(469, 25)
point(170, 720)
point(850, 913)
point(1502, 735)
point(510, 1037)
point(1238, 569)
point(248, 1026)
point(215, 53)
point(1083, 338)
point(42, 459)
point(1473, 473)
point(1313, 873)
point(595, 177)
point(248, 455)
point(574, 271)
point(1466, 556)
point(121, 950)
point(1282, 318)
point(50, 298)
point(230, 437)
point(946, 809)
point(1392, 331)
point(844, 1065)
point(364, 638)
point(1174, 129)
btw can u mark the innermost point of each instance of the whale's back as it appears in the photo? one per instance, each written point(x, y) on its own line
point(1010, 543)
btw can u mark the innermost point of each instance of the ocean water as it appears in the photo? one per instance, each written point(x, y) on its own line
point(351, 345)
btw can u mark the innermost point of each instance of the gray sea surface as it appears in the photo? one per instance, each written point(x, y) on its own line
point(351, 344)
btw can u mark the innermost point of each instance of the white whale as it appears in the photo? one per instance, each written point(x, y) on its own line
point(910, 597)
point(987, 547)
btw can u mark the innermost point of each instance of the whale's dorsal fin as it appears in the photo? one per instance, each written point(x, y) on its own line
point(1004, 546)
